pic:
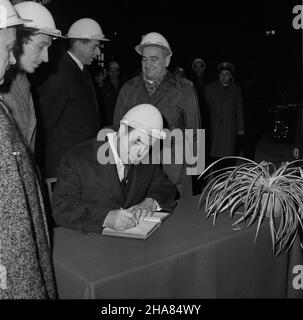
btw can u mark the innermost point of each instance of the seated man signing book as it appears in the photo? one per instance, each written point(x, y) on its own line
point(105, 182)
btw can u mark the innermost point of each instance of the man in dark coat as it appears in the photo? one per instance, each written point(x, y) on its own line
point(107, 183)
point(110, 90)
point(67, 102)
point(25, 257)
point(224, 101)
point(176, 100)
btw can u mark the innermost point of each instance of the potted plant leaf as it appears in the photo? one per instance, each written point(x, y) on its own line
point(258, 192)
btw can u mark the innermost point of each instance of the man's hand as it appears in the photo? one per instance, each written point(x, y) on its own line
point(120, 220)
point(144, 209)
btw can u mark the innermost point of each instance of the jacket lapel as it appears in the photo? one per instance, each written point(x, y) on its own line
point(161, 91)
point(85, 77)
point(109, 172)
point(136, 181)
point(141, 94)
point(91, 89)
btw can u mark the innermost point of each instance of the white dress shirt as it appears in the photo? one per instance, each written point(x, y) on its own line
point(78, 62)
point(119, 163)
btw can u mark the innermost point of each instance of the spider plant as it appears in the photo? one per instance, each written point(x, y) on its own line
point(256, 190)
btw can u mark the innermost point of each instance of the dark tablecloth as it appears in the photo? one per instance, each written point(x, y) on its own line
point(187, 257)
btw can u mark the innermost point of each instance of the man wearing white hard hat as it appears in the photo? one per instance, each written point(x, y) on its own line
point(33, 41)
point(118, 188)
point(67, 100)
point(25, 255)
point(176, 99)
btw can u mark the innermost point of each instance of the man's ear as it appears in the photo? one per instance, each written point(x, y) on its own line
point(167, 61)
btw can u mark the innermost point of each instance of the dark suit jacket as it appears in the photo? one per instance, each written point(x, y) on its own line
point(86, 190)
point(68, 109)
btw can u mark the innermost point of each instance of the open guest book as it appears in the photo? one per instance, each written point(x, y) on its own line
point(143, 230)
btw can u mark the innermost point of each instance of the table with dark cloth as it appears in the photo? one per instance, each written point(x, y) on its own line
point(187, 257)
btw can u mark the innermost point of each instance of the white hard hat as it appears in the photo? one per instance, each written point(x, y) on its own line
point(145, 118)
point(8, 15)
point(153, 39)
point(42, 19)
point(86, 28)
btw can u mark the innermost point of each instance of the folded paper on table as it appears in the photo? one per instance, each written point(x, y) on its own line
point(143, 230)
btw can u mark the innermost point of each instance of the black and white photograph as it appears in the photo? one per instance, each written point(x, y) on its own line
point(151, 156)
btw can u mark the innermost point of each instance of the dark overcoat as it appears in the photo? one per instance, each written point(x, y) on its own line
point(178, 104)
point(226, 117)
point(86, 190)
point(68, 111)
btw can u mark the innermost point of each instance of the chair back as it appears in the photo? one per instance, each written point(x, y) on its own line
point(50, 185)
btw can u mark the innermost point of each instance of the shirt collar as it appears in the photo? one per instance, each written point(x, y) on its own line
point(78, 62)
point(119, 164)
point(155, 81)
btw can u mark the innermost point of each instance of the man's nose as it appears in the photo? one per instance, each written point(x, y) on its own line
point(97, 52)
point(12, 59)
point(147, 63)
point(44, 55)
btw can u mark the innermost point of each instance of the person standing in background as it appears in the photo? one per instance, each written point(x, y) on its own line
point(199, 67)
point(199, 82)
point(175, 99)
point(224, 99)
point(67, 101)
point(110, 91)
point(98, 73)
point(198, 79)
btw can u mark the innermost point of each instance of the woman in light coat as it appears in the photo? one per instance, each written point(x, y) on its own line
point(26, 270)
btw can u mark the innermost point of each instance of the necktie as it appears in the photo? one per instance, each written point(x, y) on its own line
point(126, 173)
point(152, 87)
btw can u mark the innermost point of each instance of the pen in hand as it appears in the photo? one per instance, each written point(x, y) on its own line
point(134, 216)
